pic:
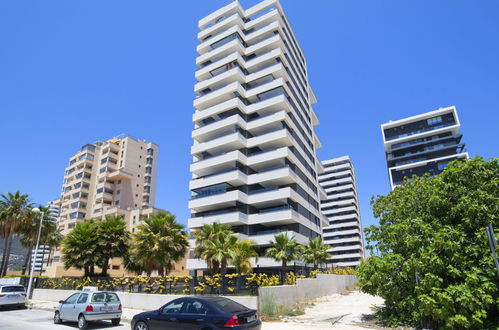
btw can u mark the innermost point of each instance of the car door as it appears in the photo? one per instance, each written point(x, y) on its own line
point(80, 305)
point(167, 316)
point(67, 309)
point(194, 315)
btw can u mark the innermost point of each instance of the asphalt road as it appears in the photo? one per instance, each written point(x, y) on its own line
point(28, 319)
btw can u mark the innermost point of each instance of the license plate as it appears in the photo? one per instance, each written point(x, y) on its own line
point(106, 309)
point(251, 318)
point(13, 296)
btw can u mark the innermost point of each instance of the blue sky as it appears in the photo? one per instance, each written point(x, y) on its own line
point(131, 64)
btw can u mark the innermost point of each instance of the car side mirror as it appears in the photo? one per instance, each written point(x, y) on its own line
point(61, 301)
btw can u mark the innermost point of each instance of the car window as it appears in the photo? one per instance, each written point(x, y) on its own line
point(105, 297)
point(112, 297)
point(228, 305)
point(173, 307)
point(195, 307)
point(83, 298)
point(16, 288)
point(72, 298)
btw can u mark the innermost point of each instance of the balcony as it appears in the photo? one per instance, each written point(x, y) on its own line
point(230, 218)
point(216, 200)
point(232, 176)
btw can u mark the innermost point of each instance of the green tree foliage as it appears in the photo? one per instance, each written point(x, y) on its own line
point(14, 215)
point(113, 240)
point(315, 252)
point(157, 244)
point(207, 233)
point(80, 248)
point(432, 263)
point(284, 249)
point(241, 254)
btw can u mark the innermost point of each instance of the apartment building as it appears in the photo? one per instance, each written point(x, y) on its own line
point(54, 208)
point(421, 144)
point(254, 163)
point(341, 207)
point(114, 177)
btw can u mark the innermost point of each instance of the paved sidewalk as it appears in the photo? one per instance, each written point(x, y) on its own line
point(127, 315)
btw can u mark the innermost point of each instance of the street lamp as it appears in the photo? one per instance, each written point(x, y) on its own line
point(30, 283)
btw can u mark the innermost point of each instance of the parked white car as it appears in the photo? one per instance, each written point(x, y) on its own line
point(86, 306)
point(12, 295)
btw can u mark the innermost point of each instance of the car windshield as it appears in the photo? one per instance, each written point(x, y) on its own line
point(105, 297)
point(228, 305)
point(13, 289)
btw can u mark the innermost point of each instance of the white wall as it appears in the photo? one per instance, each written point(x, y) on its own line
point(142, 301)
point(305, 289)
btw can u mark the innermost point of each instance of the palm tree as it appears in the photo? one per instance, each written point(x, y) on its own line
point(221, 249)
point(315, 252)
point(80, 247)
point(29, 231)
point(284, 249)
point(241, 254)
point(158, 243)
point(14, 214)
point(209, 232)
point(113, 240)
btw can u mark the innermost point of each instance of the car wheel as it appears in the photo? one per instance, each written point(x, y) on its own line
point(82, 322)
point(141, 325)
point(115, 321)
point(57, 318)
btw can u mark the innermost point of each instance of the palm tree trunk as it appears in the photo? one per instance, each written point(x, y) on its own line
point(27, 262)
point(7, 255)
point(223, 270)
point(5, 243)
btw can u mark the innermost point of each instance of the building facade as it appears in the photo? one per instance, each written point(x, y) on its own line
point(341, 207)
point(115, 177)
point(254, 163)
point(422, 144)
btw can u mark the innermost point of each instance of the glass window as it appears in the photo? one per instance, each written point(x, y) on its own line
point(173, 307)
point(434, 120)
point(14, 288)
point(72, 299)
point(83, 298)
point(195, 307)
point(228, 305)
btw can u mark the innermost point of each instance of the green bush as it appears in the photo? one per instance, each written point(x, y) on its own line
point(432, 262)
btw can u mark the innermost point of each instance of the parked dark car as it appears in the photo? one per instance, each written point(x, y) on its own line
point(196, 313)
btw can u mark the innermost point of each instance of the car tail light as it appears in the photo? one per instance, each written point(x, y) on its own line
point(120, 307)
point(89, 308)
point(234, 321)
point(2, 295)
point(23, 294)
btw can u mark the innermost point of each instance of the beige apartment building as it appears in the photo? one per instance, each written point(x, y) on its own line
point(114, 177)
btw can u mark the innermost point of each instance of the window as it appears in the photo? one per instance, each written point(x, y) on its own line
point(72, 299)
point(115, 267)
point(434, 120)
point(105, 297)
point(56, 259)
point(83, 298)
point(195, 307)
point(149, 170)
point(118, 192)
point(14, 288)
point(173, 307)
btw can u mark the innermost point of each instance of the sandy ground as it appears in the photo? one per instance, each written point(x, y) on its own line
point(352, 311)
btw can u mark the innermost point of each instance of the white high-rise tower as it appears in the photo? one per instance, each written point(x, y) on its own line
point(254, 161)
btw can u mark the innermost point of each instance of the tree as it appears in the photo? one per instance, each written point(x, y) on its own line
point(209, 232)
point(220, 249)
point(434, 267)
point(81, 247)
point(315, 252)
point(284, 249)
point(14, 214)
point(241, 254)
point(157, 244)
point(113, 240)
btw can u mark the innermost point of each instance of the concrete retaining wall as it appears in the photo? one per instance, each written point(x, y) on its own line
point(135, 300)
point(305, 289)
